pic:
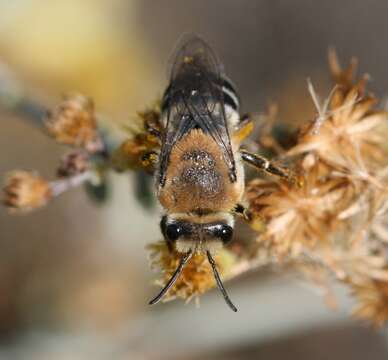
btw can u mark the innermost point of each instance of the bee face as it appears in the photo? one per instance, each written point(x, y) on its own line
point(185, 234)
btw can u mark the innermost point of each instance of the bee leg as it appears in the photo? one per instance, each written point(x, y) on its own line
point(149, 159)
point(254, 221)
point(262, 163)
point(242, 211)
point(243, 129)
point(152, 123)
point(152, 129)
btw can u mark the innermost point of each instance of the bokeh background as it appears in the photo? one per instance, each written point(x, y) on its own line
point(74, 277)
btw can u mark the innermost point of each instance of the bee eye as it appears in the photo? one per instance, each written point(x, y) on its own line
point(222, 231)
point(226, 233)
point(173, 232)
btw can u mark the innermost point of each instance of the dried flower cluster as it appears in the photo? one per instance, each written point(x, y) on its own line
point(73, 123)
point(331, 223)
point(331, 220)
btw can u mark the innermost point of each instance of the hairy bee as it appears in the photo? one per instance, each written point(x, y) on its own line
point(199, 171)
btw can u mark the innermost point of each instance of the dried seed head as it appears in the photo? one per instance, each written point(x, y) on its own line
point(196, 277)
point(336, 220)
point(298, 216)
point(25, 190)
point(373, 301)
point(73, 163)
point(350, 136)
point(74, 123)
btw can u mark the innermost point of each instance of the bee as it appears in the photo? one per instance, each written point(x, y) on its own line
point(199, 171)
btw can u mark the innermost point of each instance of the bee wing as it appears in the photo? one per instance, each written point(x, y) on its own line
point(195, 99)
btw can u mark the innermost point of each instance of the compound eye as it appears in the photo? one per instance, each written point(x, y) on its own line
point(173, 232)
point(226, 233)
point(222, 231)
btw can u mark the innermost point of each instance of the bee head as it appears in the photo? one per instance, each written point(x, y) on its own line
point(190, 234)
point(197, 233)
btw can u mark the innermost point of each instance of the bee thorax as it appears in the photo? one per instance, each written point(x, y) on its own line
point(197, 177)
point(200, 175)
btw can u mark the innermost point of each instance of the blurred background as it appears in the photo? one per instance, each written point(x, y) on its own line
point(74, 276)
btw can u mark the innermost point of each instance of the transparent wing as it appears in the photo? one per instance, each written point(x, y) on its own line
point(194, 99)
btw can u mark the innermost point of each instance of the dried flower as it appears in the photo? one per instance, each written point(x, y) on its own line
point(297, 216)
point(196, 277)
point(74, 123)
point(351, 131)
point(373, 301)
point(334, 223)
point(379, 224)
point(352, 134)
point(26, 190)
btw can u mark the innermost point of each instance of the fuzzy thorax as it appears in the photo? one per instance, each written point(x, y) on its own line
point(197, 177)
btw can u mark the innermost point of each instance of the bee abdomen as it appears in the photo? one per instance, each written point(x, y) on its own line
point(230, 94)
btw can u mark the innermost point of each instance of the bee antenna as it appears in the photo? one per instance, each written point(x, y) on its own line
point(173, 278)
point(219, 282)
